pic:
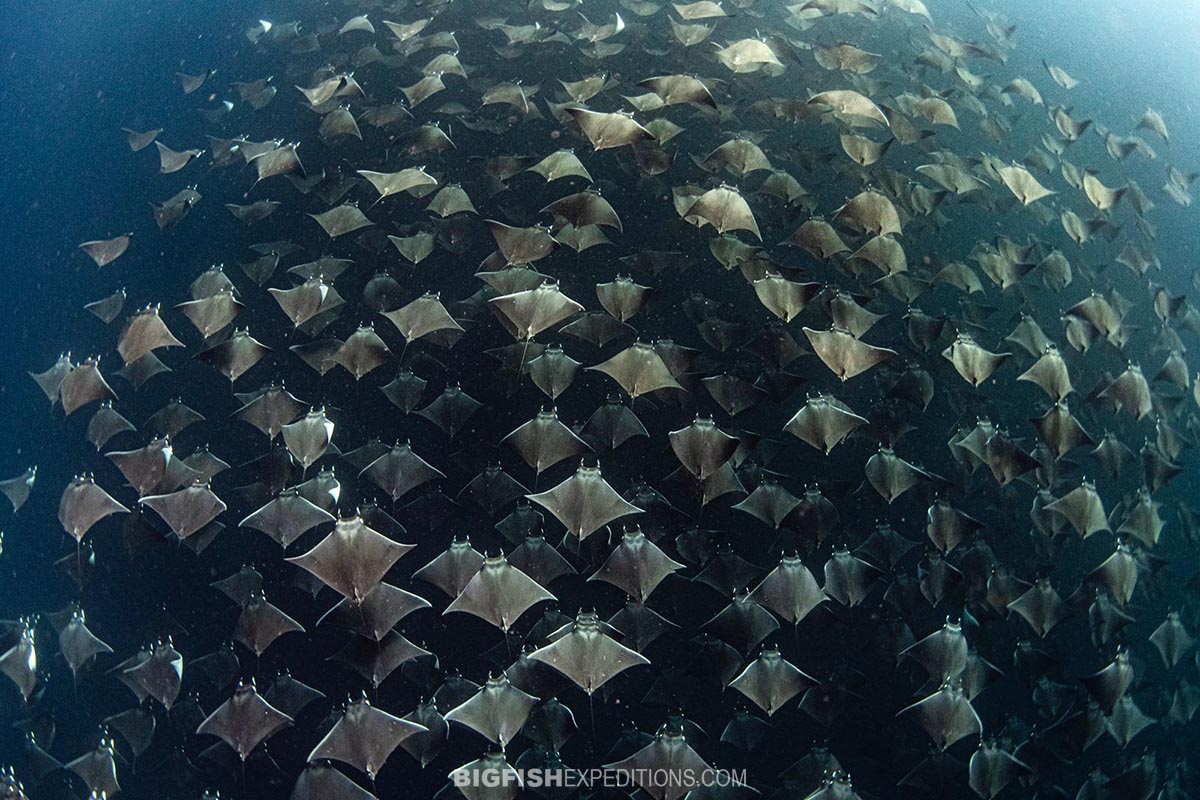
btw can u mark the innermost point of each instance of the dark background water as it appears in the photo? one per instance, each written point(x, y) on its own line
point(72, 77)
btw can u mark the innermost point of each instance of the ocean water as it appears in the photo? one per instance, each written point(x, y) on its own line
point(74, 76)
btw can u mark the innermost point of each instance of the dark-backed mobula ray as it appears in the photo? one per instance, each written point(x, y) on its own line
point(1110, 684)
point(415, 248)
point(824, 422)
point(83, 385)
point(561, 164)
point(639, 369)
point(425, 746)
point(146, 468)
point(17, 488)
point(608, 130)
point(553, 371)
point(891, 475)
point(585, 208)
point(497, 711)
point(453, 569)
point(140, 140)
point(499, 593)
point(702, 448)
point(451, 200)
point(942, 653)
point(212, 314)
point(532, 311)
point(270, 409)
point(51, 381)
point(261, 623)
point(742, 56)
point(849, 103)
point(136, 726)
point(352, 559)
point(844, 354)
point(106, 251)
point(738, 156)
point(187, 510)
point(390, 183)
point(157, 672)
point(19, 663)
point(545, 441)
point(784, 298)
point(869, 212)
point(493, 489)
point(287, 517)
point(946, 715)
point(174, 160)
point(245, 721)
point(1050, 373)
point(308, 301)
point(668, 754)
point(380, 611)
point(364, 737)
point(585, 502)
point(1040, 606)
point(790, 590)
point(83, 504)
point(451, 410)
point(743, 624)
point(362, 352)
point(622, 298)
point(770, 681)
point(424, 316)
point(848, 578)
point(308, 438)
point(254, 212)
point(676, 89)
point(769, 502)
point(726, 210)
point(636, 565)
point(586, 654)
point(97, 768)
point(398, 471)
point(144, 333)
point(973, 363)
point(992, 769)
point(522, 245)
point(538, 559)
point(321, 781)
point(342, 220)
point(1172, 639)
point(1083, 509)
point(1024, 186)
